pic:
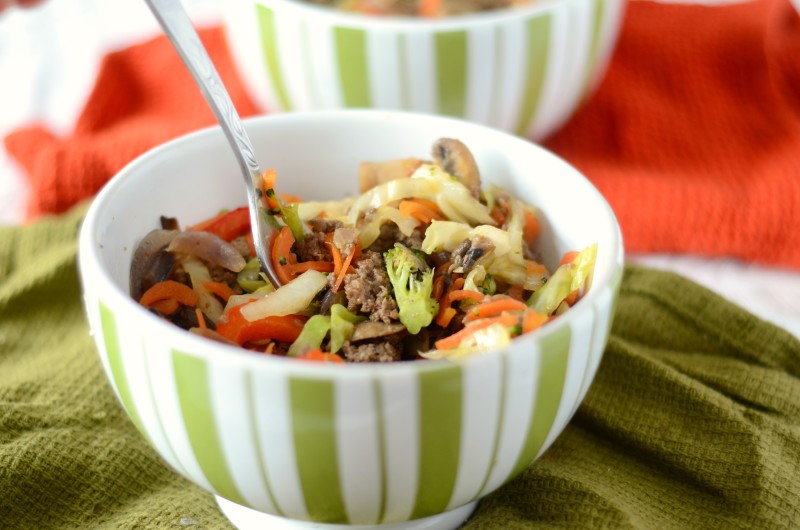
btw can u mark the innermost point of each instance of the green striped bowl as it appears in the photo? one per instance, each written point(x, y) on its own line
point(521, 70)
point(355, 444)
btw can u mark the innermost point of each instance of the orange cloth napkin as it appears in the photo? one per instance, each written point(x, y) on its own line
point(693, 136)
point(143, 97)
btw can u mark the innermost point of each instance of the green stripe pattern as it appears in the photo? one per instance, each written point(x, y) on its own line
point(108, 323)
point(451, 71)
point(314, 431)
point(194, 396)
point(440, 402)
point(351, 52)
point(552, 374)
point(269, 41)
point(448, 92)
point(314, 422)
point(538, 37)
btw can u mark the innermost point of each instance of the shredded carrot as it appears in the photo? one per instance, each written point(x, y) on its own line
point(303, 266)
point(452, 341)
point(201, 319)
point(165, 307)
point(532, 320)
point(268, 189)
point(464, 294)
point(346, 265)
point(336, 254)
point(531, 229)
point(319, 355)
point(443, 317)
point(567, 258)
point(223, 290)
point(169, 289)
point(493, 308)
point(421, 209)
point(282, 255)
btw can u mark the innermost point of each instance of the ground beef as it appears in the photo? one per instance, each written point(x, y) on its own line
point(324, 225)
point(369, 290)
point(240, 244)
point(467, 253)
point(391, 234)
point(313, 248)
point(383, 350)
point(223, 275)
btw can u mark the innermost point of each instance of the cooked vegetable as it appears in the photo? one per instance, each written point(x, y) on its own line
point(412, 281)
point(237, 328)
point(292, 298)
point(423, 264)
point(199, 276)
point(166, 291)
point(314, 332)
point(208, 247)
point(568, 277)
point(227, 225)
point(342, 326)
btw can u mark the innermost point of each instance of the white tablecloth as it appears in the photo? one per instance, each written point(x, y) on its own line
point(49, 58)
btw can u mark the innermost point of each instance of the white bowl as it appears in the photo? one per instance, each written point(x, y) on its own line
point(346, 444)
point(523, 70)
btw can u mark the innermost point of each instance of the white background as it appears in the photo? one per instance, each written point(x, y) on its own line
point(49, 58)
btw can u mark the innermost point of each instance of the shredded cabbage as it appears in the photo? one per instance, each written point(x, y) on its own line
point(427, 182)
point(567, 278)
point(371, 230)
point(486, 339)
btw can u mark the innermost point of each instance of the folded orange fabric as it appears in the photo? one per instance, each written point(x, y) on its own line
point(143, 97)
point(693, 136)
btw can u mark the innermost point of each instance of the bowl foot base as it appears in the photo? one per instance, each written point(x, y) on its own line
point(245, 518)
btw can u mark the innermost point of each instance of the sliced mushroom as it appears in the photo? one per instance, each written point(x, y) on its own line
point(467, 254)
point(372, 330)
point(208, 247)
point(149, 263)
point(457, 160)
point(371, 174)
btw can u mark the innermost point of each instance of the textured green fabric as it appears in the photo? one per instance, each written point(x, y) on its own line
point(693, 420)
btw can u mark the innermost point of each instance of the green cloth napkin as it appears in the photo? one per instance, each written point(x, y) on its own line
point(693, 420)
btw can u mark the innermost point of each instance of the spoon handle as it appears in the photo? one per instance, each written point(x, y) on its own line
point(179, 30)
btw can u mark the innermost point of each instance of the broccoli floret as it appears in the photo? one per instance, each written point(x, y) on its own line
point(412, 280)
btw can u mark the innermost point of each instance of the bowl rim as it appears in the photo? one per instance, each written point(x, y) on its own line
point(195, 345)
point(413, 23)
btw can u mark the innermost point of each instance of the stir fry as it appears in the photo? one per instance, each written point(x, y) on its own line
point(426, 263)
point(419, 8)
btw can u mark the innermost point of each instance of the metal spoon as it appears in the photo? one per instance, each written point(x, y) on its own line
point(179, 30)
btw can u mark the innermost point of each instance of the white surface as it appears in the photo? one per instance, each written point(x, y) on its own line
point(247, 519)
point(49, 58)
